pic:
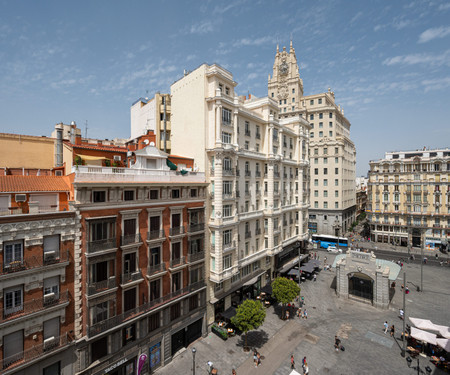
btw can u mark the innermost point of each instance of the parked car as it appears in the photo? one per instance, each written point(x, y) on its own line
point(333, 249)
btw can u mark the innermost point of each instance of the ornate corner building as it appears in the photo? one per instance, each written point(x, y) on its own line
point(332, 152)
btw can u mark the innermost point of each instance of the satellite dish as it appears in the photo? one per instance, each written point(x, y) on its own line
point(146, 141)
point(152, 144)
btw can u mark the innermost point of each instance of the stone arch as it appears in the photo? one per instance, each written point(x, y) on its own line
point(361, 286)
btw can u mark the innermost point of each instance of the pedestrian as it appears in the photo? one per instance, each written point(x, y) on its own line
point(305, 369)
point(304, 361)
point(255, 358)
point(402, 314)
point(315, 277)
point(292, 362)
point(258, 358)
point(233, 372)
point(299, 312)
point(386, 326)
point(392, 330)
point(287, 314)
point(337, 342)
point(437, 256)
point(305, 314)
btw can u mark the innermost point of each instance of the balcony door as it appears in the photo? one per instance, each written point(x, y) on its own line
point(129, 299)
point(13, 253)
point(12, 348)
point(176, 220)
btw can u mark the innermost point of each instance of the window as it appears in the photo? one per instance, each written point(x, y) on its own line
point(336, 205)
point(13, 300)
point(128, 195)
point(319, 101)
point(227, 210)
point(99, 196)
point(311, 117)
point(54, 369)
point(336, 182)
point(330, 133)
point(175, 193)
point(226, 262)
point(336, 150)
point(13, 254)
point(336, 170)
point(316, 193)
point(13, 346)
point(176, 251)
point(226, 137)
point(129, 299)
point(330, 124)
point(325, 204)
point(227, 90)
point(155, 289)
point(325, 171)
point(316, 204)
point(51, 247)
point(153, 322)
point(154, 194)
point(293, 91)
point(194, 193)
point(325, 182)
point(325, 193)
point(320, 115)
point(316, 182)
point(176, 281)
point(196, 275)
point(227, 236)
point(193, 302)
point(331, 115)
point(325, 160)
point(320, 125)
point(311, 102)
point(247, 128)
point(311, 134)
point(316, 160)
point(226, 116)
point(175, 311)
point(51, 285)
point(273, 94)
point(246, 145)
point(316, 171)
point(336, 193)
point(99, 312)
point(102, 230)
point(320, 134)
point(128, 334)
point(227, 187)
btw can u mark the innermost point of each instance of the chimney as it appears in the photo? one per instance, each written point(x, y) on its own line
point(99, 142)
point(59, 146)
point(78, 139)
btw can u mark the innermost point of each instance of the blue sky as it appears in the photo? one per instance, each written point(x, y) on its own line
point(388, 62)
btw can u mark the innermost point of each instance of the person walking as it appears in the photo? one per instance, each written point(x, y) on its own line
point(392, 330)
point(258, 358)
point(305, 314)
point(337, 342)
point(315, 277)
point(305, 369)
point(233, 372)
point(292, 362)
point(386, 326)
point(255, 358)
point(304, 361)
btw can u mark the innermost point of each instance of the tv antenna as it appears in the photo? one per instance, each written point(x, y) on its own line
point(85, 129)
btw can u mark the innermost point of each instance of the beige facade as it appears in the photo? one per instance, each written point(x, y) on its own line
point(257, 168)
point(333, 154)
point(153, 114)
point(409, 198)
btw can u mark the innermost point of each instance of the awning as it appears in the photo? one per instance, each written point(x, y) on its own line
point(89, 157)
point(444, 344)
point(292, 263)
point(314, 262)
point(293, 272)
point(229, 313)
point(422, 323)
point(307, 268)
point(424, 336)
point(253, 280)
point(293, 372)
point(267, 289)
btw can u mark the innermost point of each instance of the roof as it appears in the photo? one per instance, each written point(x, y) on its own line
point(151, 151)
point(24, 184)
point(180, 157)
point(97, 147)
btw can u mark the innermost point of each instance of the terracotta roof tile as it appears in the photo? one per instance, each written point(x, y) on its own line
point(97, 147)
point(23, 184)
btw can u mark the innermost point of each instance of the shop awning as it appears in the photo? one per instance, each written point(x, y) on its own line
point(308, 268)
point(292, 263)
point(89, 157)
point(293, 272)
point(267, 289)
point(253, 280)
point(229, 313)
point(425, 336)
point(444, 344)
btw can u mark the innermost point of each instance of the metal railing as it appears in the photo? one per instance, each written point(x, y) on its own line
point(157, 268)
point(229, 245)
point(248, 234)
point(196, 227)
point(34, 262)
point(176, 231)
point(228, 172)
point(34, 352)
point(248, 173)
point(177, 262)
point(155, 234)
point(33, 306)
point(101, 286)
point(195, 256)
point(129, 239)
point(136, 312)
point(128, 277)
point(99, 245)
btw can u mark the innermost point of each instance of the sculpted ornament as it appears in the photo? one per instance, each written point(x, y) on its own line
point(283, 91)
point(218, 214)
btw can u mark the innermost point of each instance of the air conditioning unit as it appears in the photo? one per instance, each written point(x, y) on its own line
point(49, 297)
point(49, 343)
point(49, 256)
point(117, 158)
point(21, 197)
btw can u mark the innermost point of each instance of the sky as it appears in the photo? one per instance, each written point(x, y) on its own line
point(388, 62)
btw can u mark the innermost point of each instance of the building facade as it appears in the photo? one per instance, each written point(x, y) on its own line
point(409, 198)
point(257, 168)
point(139, 263)
point(37, 233)
point(332, 153)
point(153, 115)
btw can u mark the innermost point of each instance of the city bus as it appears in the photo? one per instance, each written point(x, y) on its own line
point(325, 240)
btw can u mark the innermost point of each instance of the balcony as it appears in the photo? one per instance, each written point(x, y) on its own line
point(130, 239)
point(258, 135)
point(257, 231)
point(248, 133)
point(178, 262)
point(228, 172)
point(194, 257)
point(276, 174)
point(155, 234)
point(229, 246)
point(137, 312)
point(157, 268)
point(101, 245)
point(129, 277)
point(36, 351)
point(248, 234)
point(227, 196)
point(176, 231)
point(248, 173)
point(101, 286)
point(258, 174)
point(30, 307)
point(33, 262)
point(192, 228)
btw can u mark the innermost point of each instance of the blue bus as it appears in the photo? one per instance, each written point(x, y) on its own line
point(325, 240)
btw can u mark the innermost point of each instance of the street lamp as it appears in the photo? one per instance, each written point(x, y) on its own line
point(427, 368)
point(193, 360)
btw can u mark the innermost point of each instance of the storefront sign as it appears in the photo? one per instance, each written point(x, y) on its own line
point(121, 362)
point(155, 355)
point(141, 362)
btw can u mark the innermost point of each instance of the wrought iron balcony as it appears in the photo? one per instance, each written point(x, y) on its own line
point(258, 173)
point(155, 234)
point(175, 231)
point(258, 135)
point(194, 257)
point(33, 262)
point(137, 312)
point(248, 234)
point(248, 173)
point(196, 227)
point(100, 245)
point(101, 286)
point(228, 172)
point(130, 239)
point(157, 268)
point(35, 305)
point(128, 277)
point(177, 262)
point(258, 231)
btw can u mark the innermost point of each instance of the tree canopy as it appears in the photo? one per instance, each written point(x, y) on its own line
point(285, 290)
point(249, 315)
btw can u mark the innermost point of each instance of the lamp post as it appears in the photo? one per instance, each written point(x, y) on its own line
point(193, 360)
point(299, 273)
point(404, 315)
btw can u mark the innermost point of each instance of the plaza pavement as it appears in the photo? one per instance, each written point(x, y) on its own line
point(360, 327)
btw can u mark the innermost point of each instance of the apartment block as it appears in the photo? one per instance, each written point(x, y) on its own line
point(257, 168)
point(139, 263)
point(37, 234)
point(409, 198)
point(332, 152)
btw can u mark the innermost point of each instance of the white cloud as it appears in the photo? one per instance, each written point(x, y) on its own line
point(444, 6)
point(201, 28)
point(255, 42)
point(423, 58)
point(191, 57)
point(434, 33)
point(252, 76)
point(436, 84)
point(356, 16)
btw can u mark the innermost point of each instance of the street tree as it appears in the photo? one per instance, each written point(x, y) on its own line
point(284, 291)
point(249, 316)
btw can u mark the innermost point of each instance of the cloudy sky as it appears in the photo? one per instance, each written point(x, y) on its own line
point(388, 62)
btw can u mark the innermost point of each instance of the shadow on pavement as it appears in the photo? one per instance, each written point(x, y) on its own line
point(255, 339)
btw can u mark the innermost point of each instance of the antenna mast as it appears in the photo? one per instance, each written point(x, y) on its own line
point(85, 129)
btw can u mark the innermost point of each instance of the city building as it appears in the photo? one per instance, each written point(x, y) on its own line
point(409, 198)
point(361, 195)
point(257, 168)
point(139, 263)
point(153, 114)
point(37, 233)
point(332, 152)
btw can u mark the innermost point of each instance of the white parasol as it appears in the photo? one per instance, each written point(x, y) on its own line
point(425, 336)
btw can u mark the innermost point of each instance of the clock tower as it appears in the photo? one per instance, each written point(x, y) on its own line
point(285, 86)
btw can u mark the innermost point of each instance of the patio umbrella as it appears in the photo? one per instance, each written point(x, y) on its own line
point(293, 372)
point(444, 331)
point(444, 344)
point(424, 336)
point(423, 323)
point(293, 271)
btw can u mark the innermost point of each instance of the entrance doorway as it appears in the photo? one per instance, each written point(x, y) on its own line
point(360, 285)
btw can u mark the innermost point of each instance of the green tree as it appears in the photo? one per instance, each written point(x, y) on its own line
point(285, 291)
point(249, 315)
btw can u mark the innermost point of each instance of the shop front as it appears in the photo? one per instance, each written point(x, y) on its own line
point(185, 336)
point(123, 366)
point(287, 255)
